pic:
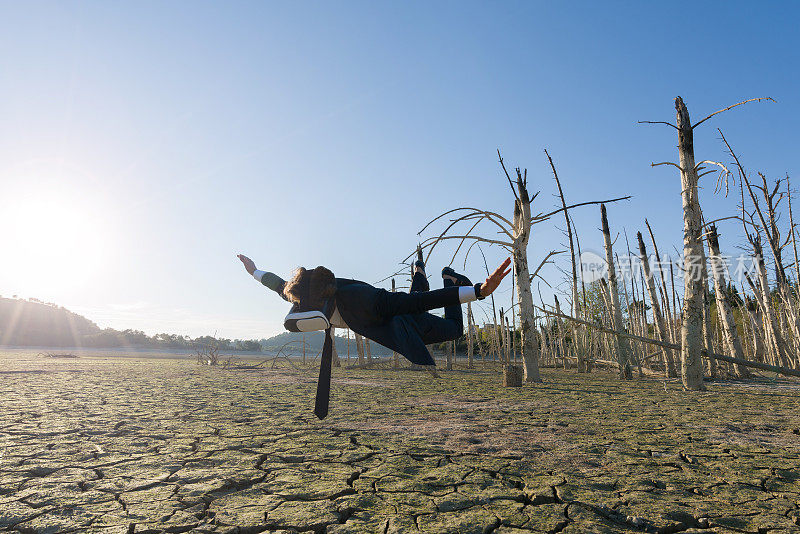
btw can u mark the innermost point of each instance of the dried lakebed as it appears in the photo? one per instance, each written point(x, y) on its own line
point(125, 445)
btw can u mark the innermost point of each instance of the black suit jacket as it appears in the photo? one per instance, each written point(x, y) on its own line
point(361, 306)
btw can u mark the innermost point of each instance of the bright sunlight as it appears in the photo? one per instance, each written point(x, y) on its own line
point(58, 237)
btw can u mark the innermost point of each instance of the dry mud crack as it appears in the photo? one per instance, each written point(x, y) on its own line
point(120, 445)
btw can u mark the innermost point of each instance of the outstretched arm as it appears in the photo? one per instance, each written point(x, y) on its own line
point(271, 280)
point(495, 278)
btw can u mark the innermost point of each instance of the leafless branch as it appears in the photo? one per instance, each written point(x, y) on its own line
point(462, 241)
point(733, 106)
point(476, 210)
point(539, 218)
point(658, 122)
point(736, 217)
point(484, 216)
point(544, 261)
point(667, 163)
point(724, 174)
point(510, 183)
point(400, 272)
point(431, 242)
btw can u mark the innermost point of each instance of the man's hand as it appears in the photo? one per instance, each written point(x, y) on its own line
point(248, 263)
point(495, 278)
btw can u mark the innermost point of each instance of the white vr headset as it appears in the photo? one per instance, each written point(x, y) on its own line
point(310, 320)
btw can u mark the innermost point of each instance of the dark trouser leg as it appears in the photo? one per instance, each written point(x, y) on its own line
point(400, 303)
point(454, 315)
point(433, 329)
point(419, 283)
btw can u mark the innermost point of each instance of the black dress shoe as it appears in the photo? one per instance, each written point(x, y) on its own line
point(420, 263)
point(449, 275)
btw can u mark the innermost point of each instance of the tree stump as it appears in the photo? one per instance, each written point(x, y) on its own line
point(512, 376)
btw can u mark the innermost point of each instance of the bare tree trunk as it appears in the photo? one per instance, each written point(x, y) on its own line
point(693, 257)
point(732, 340)
point(335, 354)
point(509, 341)
point(547, 345)
point(395, 356)
point(514, 338)
point(470, 327)
point(624, 350)
point(575, 303)
point(711, 362)
point(589, 334)
point(503, 337)
point(766, 326)
point(522, 231)
point(633, 356)
point(758, 338)
point(677, 314)
point(360, 349)
point(478, 341)
point(658, 318)
point(708, 333)
point(448, 355)
point(560, 334)
point(792, 229)
point(769, 312)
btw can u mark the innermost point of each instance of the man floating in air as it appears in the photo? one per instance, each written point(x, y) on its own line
point(399, 321)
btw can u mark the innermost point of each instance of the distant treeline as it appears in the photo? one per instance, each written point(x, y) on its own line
point(34, 323)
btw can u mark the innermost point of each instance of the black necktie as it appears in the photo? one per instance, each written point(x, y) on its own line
point(324, 382)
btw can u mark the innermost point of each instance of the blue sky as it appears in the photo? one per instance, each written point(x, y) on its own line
point(145, 144)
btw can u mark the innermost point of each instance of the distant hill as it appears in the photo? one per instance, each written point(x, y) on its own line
point(315, 341)
point(33, 322)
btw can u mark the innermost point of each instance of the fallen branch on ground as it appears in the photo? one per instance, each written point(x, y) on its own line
point(758, 365)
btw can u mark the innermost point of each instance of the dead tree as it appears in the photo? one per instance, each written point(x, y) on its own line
point(360, 349)
point(792, 232)
point(732, 340)
point(575, 302)
point(658, 318)
point(208, 354)
point(470, 333)
point(395, 356)
point(515, 235)
point(623, 346)
point(756, 365)
point(693, 256)
point(448, 355)
point(522, 233)
point(707, 332)
point(335, 354)
point(693, 252)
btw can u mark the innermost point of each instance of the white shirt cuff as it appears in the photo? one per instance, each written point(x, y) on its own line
point(258, 274)
point(466, 294)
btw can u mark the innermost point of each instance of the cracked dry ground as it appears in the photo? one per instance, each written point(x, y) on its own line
point(124, 445)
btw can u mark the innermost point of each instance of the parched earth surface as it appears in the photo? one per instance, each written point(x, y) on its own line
point(154, 445)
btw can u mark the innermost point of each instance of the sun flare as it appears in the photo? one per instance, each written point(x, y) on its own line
point(52, 234)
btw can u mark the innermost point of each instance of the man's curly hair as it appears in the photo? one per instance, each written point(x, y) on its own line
point(310, 288)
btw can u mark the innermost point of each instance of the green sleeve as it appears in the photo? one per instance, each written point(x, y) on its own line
point(274, 282)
